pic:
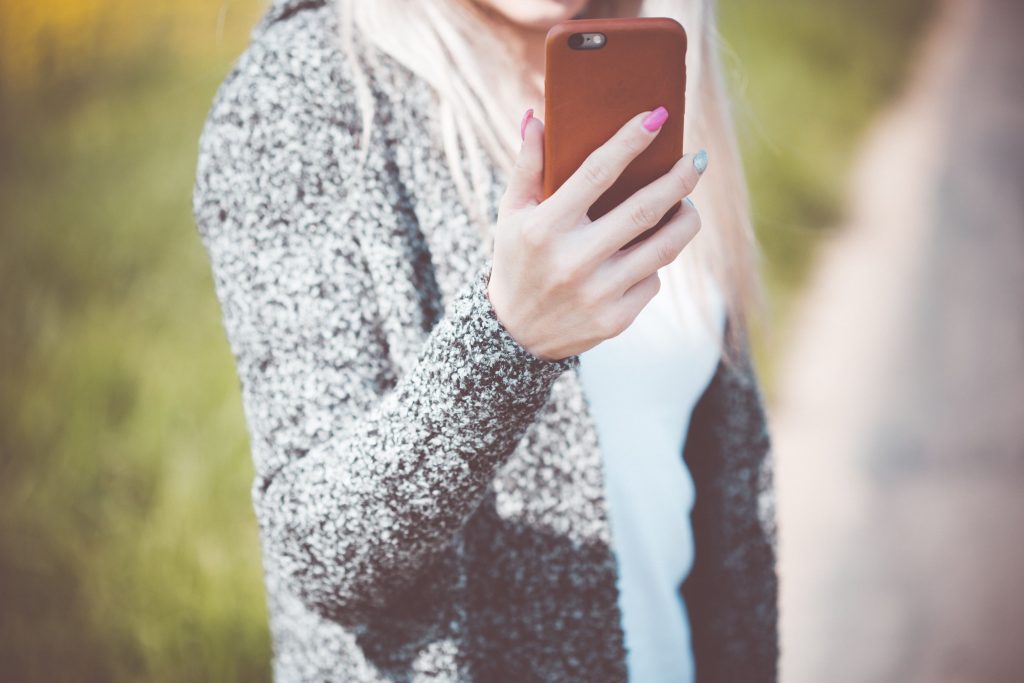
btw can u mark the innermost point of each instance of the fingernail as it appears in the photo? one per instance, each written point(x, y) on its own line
point(700, 162)
point(653, 121)
point(522, 126)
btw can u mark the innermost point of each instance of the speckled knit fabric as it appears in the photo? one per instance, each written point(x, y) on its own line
point(429, 494)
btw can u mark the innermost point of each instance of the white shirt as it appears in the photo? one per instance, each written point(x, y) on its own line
point(642, 387)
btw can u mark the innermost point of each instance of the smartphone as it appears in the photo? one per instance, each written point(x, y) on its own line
point(598, 74)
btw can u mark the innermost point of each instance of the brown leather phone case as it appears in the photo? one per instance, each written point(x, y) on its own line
point(590, 93)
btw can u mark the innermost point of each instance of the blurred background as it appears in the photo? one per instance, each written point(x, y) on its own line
point(885, 150)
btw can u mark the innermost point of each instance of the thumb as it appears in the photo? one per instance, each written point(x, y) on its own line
point(525, 186)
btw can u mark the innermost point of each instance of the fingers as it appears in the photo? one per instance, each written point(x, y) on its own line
point(645, 207)
point(628, 267)
point(634, 300)
point(604, 165)
point(525, 185)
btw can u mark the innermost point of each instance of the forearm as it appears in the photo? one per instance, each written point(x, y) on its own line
point(354, 519)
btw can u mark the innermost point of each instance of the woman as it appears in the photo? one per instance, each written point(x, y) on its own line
point(430, 357)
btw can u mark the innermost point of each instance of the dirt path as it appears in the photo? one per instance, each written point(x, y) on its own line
point(899, 419)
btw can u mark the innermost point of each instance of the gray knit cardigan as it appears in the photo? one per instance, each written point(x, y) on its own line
point(429, 494)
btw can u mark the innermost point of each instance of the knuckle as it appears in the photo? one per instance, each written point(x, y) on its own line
point(664, 252)
point(523, 163)
point(594, 171)
point(633, 143)
point(533, 236)
point(584, 300)
point(590, 297)
point(610, 323)
point(621, 321)
point(567, 276)
point(559, 282)
point(641, 215)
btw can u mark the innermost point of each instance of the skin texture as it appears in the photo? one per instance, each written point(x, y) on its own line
point(559, 284)
point(535, 15)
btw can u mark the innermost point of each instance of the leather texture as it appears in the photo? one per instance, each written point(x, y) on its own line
point(590, 93)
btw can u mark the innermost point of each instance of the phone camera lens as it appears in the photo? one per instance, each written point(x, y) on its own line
point(576, 41)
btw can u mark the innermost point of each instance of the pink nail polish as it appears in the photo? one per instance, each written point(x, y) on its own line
point(526, 119)
point(653, 121)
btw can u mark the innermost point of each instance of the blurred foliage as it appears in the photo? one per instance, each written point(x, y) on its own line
point(807, 76)
point(128, 548)
point(52, 40)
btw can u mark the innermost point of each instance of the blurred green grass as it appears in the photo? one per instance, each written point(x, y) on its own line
point(808, 76)
point(128, 548)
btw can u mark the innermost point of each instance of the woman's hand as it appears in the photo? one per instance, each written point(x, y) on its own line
point(559, 282)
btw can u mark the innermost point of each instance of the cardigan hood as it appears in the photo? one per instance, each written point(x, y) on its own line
point(429, 494)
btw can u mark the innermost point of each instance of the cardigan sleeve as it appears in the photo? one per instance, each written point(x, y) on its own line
point(361, 477)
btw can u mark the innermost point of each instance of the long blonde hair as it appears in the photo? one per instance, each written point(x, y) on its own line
point(455, 46)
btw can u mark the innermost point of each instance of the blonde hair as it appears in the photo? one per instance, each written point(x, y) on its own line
point(454, 45)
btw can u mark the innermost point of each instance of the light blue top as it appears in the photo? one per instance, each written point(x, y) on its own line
point(642, 387)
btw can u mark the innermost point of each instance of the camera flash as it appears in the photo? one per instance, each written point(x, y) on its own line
point(598, 39)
